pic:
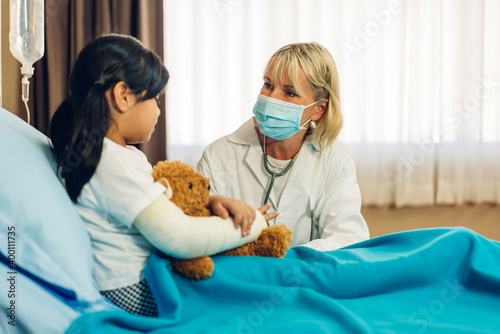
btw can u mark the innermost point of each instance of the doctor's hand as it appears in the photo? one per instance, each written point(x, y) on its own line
point(268, 216)
point(243, 214)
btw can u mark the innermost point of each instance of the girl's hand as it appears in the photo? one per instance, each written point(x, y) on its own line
point(268, 216)
point(243, 214)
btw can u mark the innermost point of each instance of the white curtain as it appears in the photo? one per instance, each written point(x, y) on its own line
point(420, 85)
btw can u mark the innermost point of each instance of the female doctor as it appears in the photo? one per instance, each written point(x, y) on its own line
point(288, 155)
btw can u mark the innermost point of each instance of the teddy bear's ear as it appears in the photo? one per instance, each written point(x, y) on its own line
point(168, 192)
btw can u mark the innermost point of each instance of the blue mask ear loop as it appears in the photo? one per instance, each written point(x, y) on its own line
point(273, 174)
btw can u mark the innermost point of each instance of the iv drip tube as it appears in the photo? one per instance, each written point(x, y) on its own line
point(25, 95)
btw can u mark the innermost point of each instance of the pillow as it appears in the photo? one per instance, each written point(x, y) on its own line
point(30, 308)
point(49, 243)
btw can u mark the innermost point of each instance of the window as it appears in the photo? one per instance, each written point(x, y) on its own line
point(419, 80)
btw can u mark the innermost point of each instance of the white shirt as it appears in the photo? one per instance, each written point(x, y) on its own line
point(322, 185)
point(121, 187)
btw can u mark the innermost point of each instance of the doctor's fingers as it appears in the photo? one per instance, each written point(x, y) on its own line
point(268, 216)
point(264, 208)
point(271, 215)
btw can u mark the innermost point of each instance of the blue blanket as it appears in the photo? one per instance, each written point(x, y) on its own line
point(423, 281)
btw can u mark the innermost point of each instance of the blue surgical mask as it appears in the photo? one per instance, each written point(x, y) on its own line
point(278, 119)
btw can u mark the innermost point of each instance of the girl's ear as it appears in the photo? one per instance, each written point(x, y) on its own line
point(122, 97)
point(321, 109)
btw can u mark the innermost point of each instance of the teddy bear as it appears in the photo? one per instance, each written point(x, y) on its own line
point(190, 191)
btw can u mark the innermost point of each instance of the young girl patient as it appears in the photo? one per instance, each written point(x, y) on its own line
point(115, 83)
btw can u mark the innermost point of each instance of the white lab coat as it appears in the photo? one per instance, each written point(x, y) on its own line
point(322, 180)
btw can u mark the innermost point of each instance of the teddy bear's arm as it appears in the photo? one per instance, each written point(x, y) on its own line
point(273, 241)
point(194, 269)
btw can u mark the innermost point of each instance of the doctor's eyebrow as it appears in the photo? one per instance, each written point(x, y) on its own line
point(286, 86)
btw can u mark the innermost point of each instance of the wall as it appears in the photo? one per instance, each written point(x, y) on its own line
point(11, 73)
point(482, 218)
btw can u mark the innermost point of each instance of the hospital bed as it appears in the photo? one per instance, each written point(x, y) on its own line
point(423, 281)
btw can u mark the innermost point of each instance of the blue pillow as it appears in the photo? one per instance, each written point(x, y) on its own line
point(34, 309)
point(49, 243)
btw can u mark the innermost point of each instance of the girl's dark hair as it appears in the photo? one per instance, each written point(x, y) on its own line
point(81, 122)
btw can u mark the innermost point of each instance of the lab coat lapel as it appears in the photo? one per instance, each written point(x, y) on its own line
point(254, 162)
point(299, 163)
point(303, 158)
point(252, 158)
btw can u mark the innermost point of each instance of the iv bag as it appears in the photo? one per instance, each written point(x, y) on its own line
point(26, 35)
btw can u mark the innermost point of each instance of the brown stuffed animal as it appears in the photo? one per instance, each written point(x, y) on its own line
point(190, 192)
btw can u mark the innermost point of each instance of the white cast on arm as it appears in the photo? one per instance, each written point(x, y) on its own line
point(171, 231)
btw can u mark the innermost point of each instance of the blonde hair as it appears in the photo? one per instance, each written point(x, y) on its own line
point(318, 66)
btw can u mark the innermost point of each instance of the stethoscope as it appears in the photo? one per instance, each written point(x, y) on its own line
point(274, 175)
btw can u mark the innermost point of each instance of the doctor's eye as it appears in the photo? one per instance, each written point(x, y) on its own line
point(267, 86)
point(190, 186)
